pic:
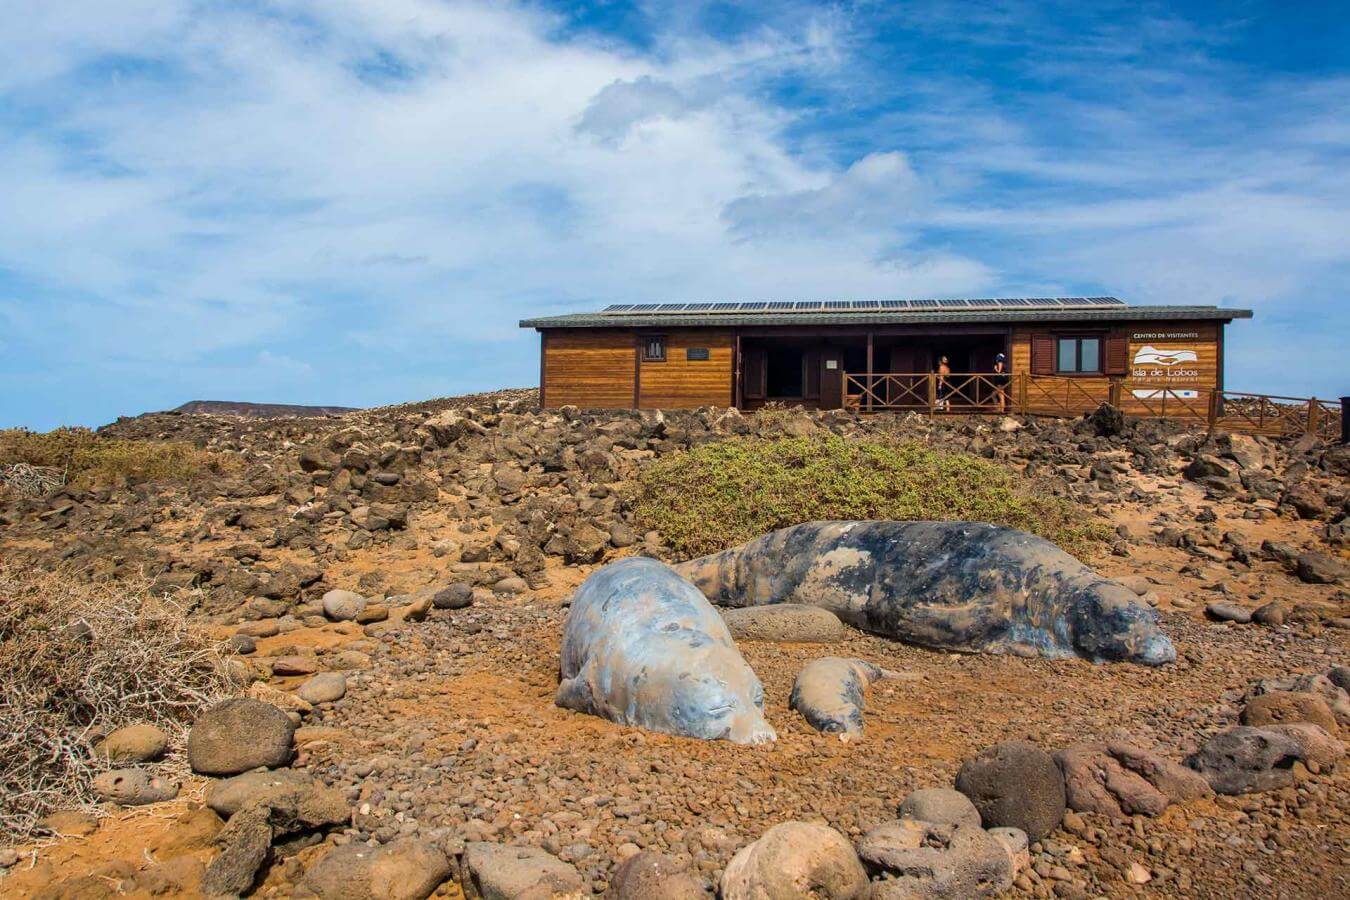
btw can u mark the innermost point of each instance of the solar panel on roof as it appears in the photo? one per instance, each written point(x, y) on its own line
point(618, 307)
point(782, 304)
point(836, 304)
point(752, 306)
point(690, 307)
point(893, 304)
point(806, 304)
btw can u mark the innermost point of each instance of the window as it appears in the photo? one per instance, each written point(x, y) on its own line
point(1075, 355)
point(654, 348)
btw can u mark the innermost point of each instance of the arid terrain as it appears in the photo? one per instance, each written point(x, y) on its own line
point(465, 524)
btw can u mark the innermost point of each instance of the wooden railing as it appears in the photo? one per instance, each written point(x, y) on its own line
point(975, 393)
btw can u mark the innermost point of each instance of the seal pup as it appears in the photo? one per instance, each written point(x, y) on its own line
point(828, 693)
point(965, 586)
point(641, 646)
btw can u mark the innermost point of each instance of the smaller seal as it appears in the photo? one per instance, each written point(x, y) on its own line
point(829, 693)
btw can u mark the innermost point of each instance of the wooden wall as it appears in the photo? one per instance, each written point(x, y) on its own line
point(599, 369)
point(683, 383)
point(1168, 338)
point(593, 369)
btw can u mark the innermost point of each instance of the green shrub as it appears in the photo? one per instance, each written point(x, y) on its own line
point(87, 458)
point(723, 494)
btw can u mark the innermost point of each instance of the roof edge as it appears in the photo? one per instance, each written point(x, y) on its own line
point(1068, 314)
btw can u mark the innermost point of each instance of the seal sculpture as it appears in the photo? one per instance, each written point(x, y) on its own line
point(963, 586)
point(828, 693)
point(643, 647)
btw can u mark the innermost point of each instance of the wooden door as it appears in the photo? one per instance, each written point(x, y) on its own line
point(754, 374)
point(811, 375)
point(831, 378)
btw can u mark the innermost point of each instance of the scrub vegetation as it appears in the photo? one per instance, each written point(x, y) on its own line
point(723, 494)
point(77, 660)
point(34, 462)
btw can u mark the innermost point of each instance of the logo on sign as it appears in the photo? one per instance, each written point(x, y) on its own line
point(1172, 365)
point(1164, 393)
point(1151, 356)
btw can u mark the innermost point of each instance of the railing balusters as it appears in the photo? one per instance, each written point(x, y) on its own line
point(978, 393)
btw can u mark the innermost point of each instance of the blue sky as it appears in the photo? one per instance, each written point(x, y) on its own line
point(344, 202)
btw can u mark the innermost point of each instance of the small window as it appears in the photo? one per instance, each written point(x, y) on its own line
point(654, 348)
point(1076, 355)
point(696, 354)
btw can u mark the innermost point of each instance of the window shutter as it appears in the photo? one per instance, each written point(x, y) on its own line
point(1117, 355)
point(1042, 354)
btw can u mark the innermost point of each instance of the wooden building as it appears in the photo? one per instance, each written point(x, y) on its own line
point(882, 354)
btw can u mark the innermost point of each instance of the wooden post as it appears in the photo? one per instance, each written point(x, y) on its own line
point(871, 381)
point(1213, 415)
point(931, 378)
point(1113, 393)
point(1022, 391)
point(1313, 409)
point(737, 400)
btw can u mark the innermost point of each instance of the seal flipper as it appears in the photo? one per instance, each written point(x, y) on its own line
point(574, 693)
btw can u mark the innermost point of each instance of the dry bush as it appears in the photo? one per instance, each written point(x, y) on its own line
point(78, 660)
point(87, 458)
point(21, 479)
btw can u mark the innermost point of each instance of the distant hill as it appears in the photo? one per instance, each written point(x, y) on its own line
point(259, 410)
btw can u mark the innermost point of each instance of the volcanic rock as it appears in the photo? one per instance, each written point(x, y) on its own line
point(795, 861)
point(1243, 760)
point(134, 787)
point(237, 735)
point(1015, 784)
point(787, 623)
point(133, 744)
point(500, 872)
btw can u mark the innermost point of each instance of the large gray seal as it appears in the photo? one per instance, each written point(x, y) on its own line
point(643, 647)
point(956, 585)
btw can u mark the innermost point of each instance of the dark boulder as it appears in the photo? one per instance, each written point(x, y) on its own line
point(1015, 784)
point(1243, 760)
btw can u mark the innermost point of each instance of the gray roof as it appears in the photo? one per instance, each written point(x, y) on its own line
point(879, 312)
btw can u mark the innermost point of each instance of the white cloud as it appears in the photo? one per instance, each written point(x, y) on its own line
point(876, 195)
point(622, 105)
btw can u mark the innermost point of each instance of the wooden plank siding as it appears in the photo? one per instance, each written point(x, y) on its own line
point(683, 383)
point(1202, 375)
point(593, 369)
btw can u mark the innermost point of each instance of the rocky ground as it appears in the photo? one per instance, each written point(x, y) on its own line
point(461, 527)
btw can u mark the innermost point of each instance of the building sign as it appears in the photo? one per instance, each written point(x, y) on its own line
point(1174, 368)
point(696, 353)
point(1165, 336)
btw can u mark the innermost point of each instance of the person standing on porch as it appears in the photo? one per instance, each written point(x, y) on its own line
point(943, 371)
point(1001, 380)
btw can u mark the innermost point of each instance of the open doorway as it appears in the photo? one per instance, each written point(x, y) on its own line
point(784, 375)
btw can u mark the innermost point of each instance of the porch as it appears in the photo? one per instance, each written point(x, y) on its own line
point(808, 369)
point(1022, 393)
